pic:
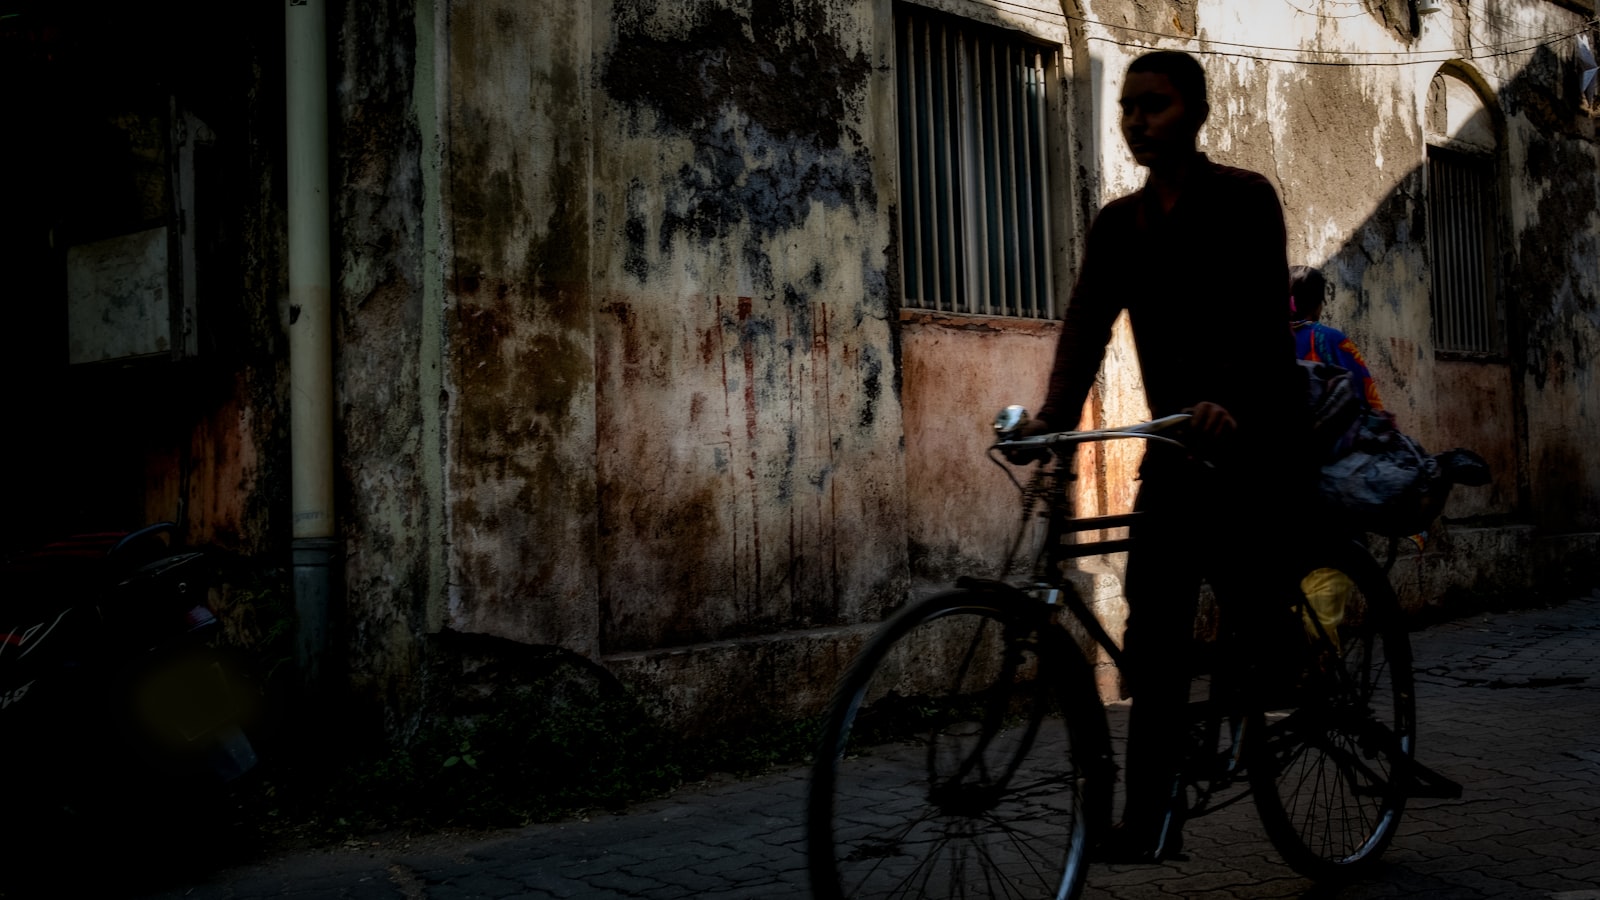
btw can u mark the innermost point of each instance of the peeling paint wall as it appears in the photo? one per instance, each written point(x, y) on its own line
point(1554, 262)
point(749, 466)
point(963, 512)
point(671, 405)
point(629, 287)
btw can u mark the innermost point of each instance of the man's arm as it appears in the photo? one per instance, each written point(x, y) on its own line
point(1085, 329)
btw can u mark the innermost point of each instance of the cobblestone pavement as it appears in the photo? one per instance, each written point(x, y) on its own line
point(1509, 705)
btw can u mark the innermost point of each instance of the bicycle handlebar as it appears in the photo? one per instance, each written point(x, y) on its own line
point(1149, 431)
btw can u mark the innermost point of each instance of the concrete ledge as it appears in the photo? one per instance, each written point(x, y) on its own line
point(1509, 565)
point(791, 675)
point(784, 676)
point(1563, 562)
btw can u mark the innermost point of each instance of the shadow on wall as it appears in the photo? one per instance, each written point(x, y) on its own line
point(1506, 389)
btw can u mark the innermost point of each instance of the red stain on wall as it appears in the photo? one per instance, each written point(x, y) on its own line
point(748, 351)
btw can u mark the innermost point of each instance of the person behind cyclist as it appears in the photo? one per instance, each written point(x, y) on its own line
point(1328, 591)
point(1197, 259)
point(1323, 343)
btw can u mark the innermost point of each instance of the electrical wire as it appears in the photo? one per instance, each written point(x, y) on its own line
point(1474, 11)
point(1298, 56)
point(1344, 63)
point(1053, 12)
point(1320, 15)
point(1553, 36)
point(1507, 25)
point(1342, 58)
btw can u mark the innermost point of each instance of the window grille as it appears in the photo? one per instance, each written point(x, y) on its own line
point(974, 185)
point(1461, 216)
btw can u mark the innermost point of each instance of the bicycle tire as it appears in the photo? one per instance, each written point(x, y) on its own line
point(1330, 777)
point(965, 754)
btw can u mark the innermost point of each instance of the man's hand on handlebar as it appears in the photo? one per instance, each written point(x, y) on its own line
point(1019, 456)
point(1211, 426)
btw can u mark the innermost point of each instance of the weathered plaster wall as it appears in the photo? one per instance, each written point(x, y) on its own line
point(1554, 262)
point(963, 514)
point(521, 482)
point(749, 470)
point(389, 494)
point(684, 428)
point(640, 229)
point(1547, 275)
point(959, 371)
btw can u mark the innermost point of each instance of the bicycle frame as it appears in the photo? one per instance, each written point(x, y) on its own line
point(1049, 487)
point(983, 674)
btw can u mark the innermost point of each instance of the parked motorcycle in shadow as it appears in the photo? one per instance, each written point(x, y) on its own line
point(120, 713)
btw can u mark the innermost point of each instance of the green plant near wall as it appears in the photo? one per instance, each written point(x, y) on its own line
point(525, 763)
point(256, 608)
point(533, 759)
point(513, 735)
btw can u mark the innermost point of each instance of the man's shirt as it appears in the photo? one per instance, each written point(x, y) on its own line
point(1321, 343)
point(1204, 285)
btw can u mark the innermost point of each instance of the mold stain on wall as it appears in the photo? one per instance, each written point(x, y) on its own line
point(520, 471)
point(752, 484)
point(767, 98)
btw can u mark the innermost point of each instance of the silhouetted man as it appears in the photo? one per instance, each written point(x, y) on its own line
point(1197, 259)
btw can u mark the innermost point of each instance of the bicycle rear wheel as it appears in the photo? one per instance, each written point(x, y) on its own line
point(1330, 777)
point(956, 758)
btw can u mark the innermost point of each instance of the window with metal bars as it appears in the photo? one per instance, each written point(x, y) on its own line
point(974, 104)
point(1461, 226)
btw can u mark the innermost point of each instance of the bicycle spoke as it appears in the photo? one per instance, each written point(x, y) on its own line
point(971, 790)
point(1022, 849)
point(1327, 775)
point(898, 841)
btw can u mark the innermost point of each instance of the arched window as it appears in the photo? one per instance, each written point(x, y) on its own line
point(1463, 185)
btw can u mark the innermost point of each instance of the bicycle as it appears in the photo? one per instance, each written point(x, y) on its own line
point(966, 751)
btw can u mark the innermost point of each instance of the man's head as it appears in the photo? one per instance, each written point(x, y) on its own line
point(1307, 290)
point(1163, 106)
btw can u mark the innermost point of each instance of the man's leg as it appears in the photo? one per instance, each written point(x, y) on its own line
point(1256, 565)
point(1162, 589)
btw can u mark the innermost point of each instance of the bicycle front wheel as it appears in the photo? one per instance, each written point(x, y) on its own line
point(956, 758)
point(1330, 777)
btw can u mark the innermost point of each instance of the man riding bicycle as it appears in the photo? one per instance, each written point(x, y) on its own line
point(1197, 259)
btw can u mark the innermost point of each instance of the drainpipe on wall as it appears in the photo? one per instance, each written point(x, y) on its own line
point(315, 548)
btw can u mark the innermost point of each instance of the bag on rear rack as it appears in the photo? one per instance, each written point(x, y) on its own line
point(1375, 477)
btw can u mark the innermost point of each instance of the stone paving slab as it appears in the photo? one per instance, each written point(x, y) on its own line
point(1509, 705)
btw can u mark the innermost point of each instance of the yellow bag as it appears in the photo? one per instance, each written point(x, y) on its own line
point(1328, 592)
